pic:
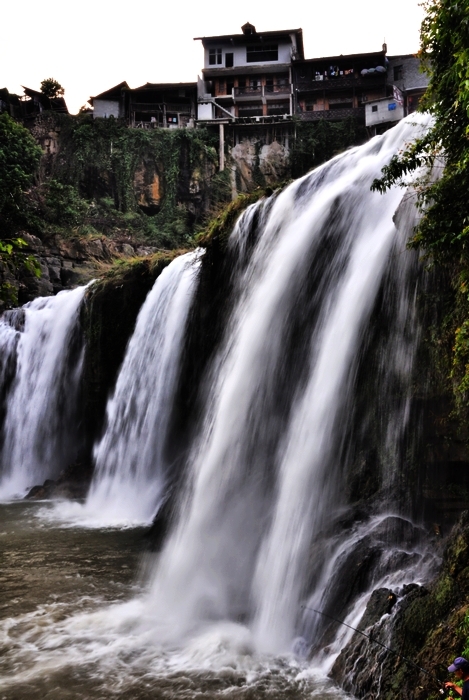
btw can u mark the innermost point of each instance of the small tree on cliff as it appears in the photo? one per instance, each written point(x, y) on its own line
point(51, 88)
point(444, 49)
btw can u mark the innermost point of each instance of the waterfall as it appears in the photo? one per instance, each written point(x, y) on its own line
point(293, 488)
point(132, 473)
point(40, 374)
point(268, 477)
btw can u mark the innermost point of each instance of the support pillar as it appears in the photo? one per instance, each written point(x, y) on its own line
point(222, 147)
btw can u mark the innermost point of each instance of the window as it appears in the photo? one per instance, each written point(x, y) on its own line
point(261, 53)
point(398, 72)
point(228, 60)
point(278, 108)
point(214, 57)
point(250, 111)
point(374, 108)
point(341, 105)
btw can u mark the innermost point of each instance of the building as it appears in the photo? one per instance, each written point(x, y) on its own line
point(111, 103)
point(171, 105)
point(248, 76)
point(337, 87)
point(34, 102)
point(152, 105)
point(406, 84)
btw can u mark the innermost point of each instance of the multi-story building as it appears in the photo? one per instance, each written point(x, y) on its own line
point(248, 76)
point(336, 87)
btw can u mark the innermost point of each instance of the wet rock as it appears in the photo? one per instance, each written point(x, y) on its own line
point(72, 483)
point(125, 249)
point(160, 525)
point(381, 602)
point(425, 625)
point(41, 492)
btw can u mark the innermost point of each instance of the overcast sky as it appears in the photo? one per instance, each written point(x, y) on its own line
point(91, 45)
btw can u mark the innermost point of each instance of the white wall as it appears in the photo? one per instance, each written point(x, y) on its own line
point(383, 114)
point(205, 111)
point(239, 57)
point(106, 108)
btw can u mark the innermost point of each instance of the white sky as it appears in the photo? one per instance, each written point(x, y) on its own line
point(91, 45)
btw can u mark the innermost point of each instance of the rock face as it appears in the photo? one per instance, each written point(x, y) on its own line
point(67, 263)
point(425, 627)
point(257, 163)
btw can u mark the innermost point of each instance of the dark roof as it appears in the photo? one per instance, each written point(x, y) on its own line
point(113, 93)
point(347, 57)
point(249, 38)
point(57, 104)
point(166, 86)
point(403, 55)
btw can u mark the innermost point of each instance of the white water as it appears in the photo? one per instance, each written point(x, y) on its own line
point(131, 470)
point(39, 423)
point(261, 488)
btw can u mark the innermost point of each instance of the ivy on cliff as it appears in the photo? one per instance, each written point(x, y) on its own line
point(100, 158)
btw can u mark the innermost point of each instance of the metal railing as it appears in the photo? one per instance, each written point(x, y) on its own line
point(261, 90)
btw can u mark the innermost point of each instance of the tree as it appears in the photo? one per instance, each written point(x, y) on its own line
point(51, 88)
point(443, 232)
point(444, 228)
point(19, 159)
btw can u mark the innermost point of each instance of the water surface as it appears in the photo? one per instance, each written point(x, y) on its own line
point(71, 612)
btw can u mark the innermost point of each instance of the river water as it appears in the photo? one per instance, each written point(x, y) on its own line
point(71, 627)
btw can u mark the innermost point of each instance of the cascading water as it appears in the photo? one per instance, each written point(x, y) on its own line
point(131, 471)
point(267, 480)
point(41, 401)
point(291, 493)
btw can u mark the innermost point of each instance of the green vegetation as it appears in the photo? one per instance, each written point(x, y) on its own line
point(221, 226)
point(316, 142)
point(443, 232)
point(102, 158)
point(19, 160)
point(51, 88)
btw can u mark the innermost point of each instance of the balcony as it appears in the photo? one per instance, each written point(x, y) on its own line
point(369, 81)
point(248, 91)
point(265, 92)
